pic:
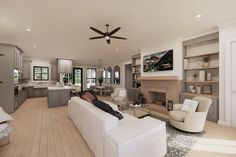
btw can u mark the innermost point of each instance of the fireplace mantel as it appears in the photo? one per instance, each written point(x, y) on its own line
point(159, 78)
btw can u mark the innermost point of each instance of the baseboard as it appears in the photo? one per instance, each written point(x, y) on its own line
point(221, 122)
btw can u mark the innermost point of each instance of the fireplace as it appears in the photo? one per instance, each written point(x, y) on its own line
point(157, 90)
point(158, 98)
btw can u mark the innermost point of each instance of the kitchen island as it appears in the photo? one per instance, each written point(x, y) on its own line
point(58, 96)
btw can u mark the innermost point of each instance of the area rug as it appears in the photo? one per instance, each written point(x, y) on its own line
point(179, 143)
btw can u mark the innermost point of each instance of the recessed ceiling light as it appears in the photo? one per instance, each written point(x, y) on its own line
point(28, 29)
point(34, 46)
point(199, 15)
point(117, 49)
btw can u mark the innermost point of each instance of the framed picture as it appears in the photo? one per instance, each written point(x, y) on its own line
point(161, 61)
point(206, 89)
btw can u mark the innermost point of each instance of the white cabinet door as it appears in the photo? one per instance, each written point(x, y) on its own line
point(233, 84)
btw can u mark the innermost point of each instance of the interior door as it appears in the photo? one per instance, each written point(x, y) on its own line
point(78, 77)
point(233, 84)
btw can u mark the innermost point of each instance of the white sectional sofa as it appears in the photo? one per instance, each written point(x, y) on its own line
point(109, 137)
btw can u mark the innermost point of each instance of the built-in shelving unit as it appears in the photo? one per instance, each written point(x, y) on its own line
point(135, 89)
point(201, 55)
point(136, 70)
point(201, 70)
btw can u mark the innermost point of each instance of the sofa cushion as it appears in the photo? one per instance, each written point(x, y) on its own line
point(119, 98)
point(189, 105)
point(178, 115)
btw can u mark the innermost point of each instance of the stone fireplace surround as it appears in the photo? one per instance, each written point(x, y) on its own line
point(170, 85)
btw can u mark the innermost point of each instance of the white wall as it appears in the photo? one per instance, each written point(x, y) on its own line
point(40, 62)
point(227, 32)
point(176, 45)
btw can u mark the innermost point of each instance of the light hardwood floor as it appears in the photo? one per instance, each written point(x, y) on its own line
point(39, 131)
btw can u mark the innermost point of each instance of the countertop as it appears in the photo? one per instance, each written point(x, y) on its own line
point(58, 87)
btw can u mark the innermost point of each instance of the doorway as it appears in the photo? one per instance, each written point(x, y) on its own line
point(233, 84)
point(78, 77)
point(128, 76)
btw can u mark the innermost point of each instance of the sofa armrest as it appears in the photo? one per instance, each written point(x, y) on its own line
point(177, 107)
point(143, 134)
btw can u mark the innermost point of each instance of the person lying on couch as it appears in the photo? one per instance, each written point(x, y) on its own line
point(90, 97)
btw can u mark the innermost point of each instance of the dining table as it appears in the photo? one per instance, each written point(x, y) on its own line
point(100, 88)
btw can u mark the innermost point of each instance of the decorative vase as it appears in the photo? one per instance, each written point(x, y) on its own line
point(170, 105)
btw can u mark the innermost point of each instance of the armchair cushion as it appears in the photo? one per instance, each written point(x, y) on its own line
point(178, 115)
point(189, 105)
point(177, 107)
point(119, 98)
point(122, 93)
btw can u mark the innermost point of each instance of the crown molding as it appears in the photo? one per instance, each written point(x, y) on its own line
point(227, 23)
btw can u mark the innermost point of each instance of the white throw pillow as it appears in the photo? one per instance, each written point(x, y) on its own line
point(122, 93)
point(189, 105)
point(4, 116)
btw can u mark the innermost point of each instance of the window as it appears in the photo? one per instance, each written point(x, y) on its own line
point(116, 74)
point(91, 77)
point(78, 77)
point(40, 73)
point(109, 75)
point(104, 75)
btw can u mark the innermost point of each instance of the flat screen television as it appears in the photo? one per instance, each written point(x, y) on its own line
point(160, 61)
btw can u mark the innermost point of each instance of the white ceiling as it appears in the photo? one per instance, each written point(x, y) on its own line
point(60, 28)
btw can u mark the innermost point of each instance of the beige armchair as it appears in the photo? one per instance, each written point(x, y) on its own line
point(119, 97)
point(191, 121)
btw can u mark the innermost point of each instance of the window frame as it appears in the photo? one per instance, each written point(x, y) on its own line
point(41, 78)
point(116, 68)
point(109, 80)
point(82, 76)
point(87, 78)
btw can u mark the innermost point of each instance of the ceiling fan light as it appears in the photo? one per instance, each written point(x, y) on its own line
point(107, 37)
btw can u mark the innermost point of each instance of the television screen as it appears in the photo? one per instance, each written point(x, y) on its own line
point(160, 61)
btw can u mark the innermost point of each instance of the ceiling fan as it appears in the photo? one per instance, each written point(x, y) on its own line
point(107, 35)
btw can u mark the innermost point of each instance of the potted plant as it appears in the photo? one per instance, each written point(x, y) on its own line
point(100, 80)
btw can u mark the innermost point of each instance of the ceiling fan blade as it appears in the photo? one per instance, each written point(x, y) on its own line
point(99, 37)
point(1, 54)
point(108, 41)
point(98, 31)
point(115, 37)
point(114, 31)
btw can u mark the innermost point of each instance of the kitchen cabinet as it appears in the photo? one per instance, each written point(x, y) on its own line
point(18, 59)
point(54, 71)
point(7, 77)
point(16, 102)
point(26, 70)
point(37, 92)
point(58, 97)
point(65, 66)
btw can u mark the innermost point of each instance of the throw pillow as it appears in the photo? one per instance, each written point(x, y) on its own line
point(189, 105)
point(4, 116)
point(122, 93)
